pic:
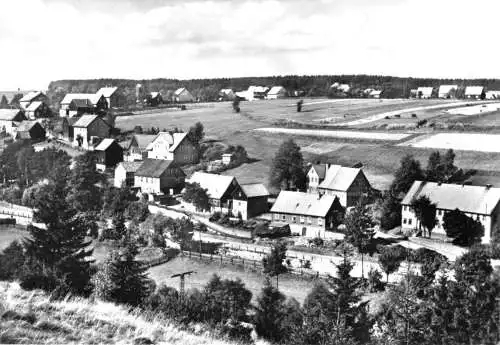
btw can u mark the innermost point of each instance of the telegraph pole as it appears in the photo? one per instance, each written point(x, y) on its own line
point(182, 277)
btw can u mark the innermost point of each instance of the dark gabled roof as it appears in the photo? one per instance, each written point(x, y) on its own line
point(154, 167)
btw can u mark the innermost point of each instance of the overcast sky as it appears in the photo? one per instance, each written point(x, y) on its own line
point(44, 40)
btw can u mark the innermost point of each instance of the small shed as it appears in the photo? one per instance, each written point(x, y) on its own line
point(108, 153)
point(30, 130)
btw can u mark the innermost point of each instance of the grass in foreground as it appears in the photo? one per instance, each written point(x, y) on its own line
point(31, 318)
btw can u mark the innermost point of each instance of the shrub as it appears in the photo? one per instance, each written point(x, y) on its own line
point(413, 115)
point(317, 241)
point(397, 116)
point(375, 283)
point(215, 217)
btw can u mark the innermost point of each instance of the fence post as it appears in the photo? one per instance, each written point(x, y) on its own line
point(221, 259)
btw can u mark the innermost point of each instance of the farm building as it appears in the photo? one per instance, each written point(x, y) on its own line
point(226, 95)
point(108, 154)
point(447, 91)
point(30, 97)
point(308, 214)
point(38, 109)
point(176, 147)
point(250, 200)
point(62, 128)
point(10, 119)
point(182, 95)
point(375, 94)
point(154, 99)
point(125, 173)
point(137, 149)
point(277, 92)
point(88, 129)
point(220, 190)
point(345, 88)
point(253, 93)
point(112, 96)
point(474, 92)
point(479, 202)
point(425, 92)
point(347, 184)
point(492, 94)
point(76, 104)
point(30, 130)
point(158, 176)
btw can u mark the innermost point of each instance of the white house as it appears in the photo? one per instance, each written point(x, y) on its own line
point(182, 95)
point(158, 176)
point(253, 93)
point(30, 97)
point(341, 87)
point(425, 92)
point(110, 93)
point(10, 119)
point(479, 202)
point(492, 94)
point(447, 91)
point(226, 95)
point(125, 173)
point(277, 92)
point(375, 94)
point(176, 147)
point(474, 92)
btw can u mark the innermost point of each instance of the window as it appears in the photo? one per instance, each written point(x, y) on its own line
point(302, 220)
point(283, 217)
point(309, 220)
point(294, 219)
point(404, 221)
point(409, 221)
point(320, 221)
point(440, 212)
point(277, 216)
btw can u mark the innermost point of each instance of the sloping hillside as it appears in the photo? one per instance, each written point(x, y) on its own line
point(31, 318)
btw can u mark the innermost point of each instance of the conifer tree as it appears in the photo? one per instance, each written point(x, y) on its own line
point(274, 262)
point(270, 313)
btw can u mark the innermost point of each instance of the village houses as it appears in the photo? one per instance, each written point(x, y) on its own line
point(10, 119)
point(474, 92)
point(173, 146)
point(154, 99)
point(38, 109)
point(220, 190)
point(226, 95)
point(88, 129)
point(76, 104)
point(250, 200)
point(348, 184)
point(158, 176)
point(308, 214)
point(137, 149)
point(182, 95)
point(125, 173)
point(111, 95)
point(479, 202)
point(108, 154)
point(277, 92)
point(30, 130)
point(30, 97)
point(447, 91)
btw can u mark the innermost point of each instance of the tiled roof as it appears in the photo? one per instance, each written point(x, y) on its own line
point(474, 90)
point(276, 90)
point(85, 120)
point(426, 90)
point(130, 166)
point(445, 89)
point(178, 138)
point(339, 178)
point(305, 204)
point(216, 185)
point(92, 97)
point(254, 190)
point(472, 199)
point(179, 91)
point(153, 167)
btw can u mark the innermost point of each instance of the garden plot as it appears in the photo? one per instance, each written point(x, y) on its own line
point(475, 110)
point(337, 134)
point(458, 141)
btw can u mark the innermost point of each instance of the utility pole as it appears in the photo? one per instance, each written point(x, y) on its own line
point(182, 277)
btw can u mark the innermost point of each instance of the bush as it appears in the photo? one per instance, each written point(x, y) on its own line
point(215, 217)
point(414, 115)
point(264, 230)
point(317, 242)
point(422, 255)
point(375, 283)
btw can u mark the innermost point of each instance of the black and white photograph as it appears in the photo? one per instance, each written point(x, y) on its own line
point(238, 172)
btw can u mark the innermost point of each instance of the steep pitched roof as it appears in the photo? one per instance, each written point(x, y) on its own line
point(106, 91)
point(426, 90)
point(303, 204)
point(26, 126)
point(85, 120)
point(254, 190)
point(30, 96)
point(154, 94)
point(143, 140)
point(8, 114)
point(474, 90)
point(130, 166)
point(339, 178)
point(216, 185)
point(178, 139)
point(34, 106)
point(153, 167)
point(180, 90)
point(104, 144)
point(472, 199)
point(91, 97)
point(276, 90)
point(320, 170)
point(446, 89)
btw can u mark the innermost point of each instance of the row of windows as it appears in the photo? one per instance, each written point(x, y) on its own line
point(145, 179)
point(407, 221)
point(303, 220)
point(313, 179)
point(443, 212)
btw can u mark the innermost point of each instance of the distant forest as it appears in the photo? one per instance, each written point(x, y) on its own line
point(308, 86)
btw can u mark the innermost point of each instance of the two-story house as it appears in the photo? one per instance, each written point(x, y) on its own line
point(88, 129)
point(308, 214)
point(220, 190)
point(250, 200)
point(137, 148)
point(176, 147)
point(158, 176)
point(348, 184)
point(10, 119)
point(76, 104)
point(30, 97)
point(479, 202)
point(108, 154)
point(125, 173)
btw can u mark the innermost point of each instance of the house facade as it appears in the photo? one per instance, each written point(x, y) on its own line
point(112, 95)
point(125, 174)
point(34, 96)
point(182, 95)
point(250, 200)
point(157, 176)
point(220, 190)
point(176, 147)
point(425, 92)
point(277, 92)
point(108, 154)
point(38, 109)
point(308, 214)
point(89, 128)
point(137, 149)
point(474, 92)
point(76, 104)
point(347, 184)
point(447, 91)
point(10, 119)
point(479, 202)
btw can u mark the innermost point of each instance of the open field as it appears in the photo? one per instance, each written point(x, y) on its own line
point(380, 158)
point(291, 286)
point(458, 141)
point(475, 110)
point(358, 135)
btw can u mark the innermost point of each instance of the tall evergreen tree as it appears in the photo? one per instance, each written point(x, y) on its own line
point(435, 169)
point(274, 262)
point(407, 173)
point(270, 314)
point(287, 170)
point(4, 102)
point(84, 194)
